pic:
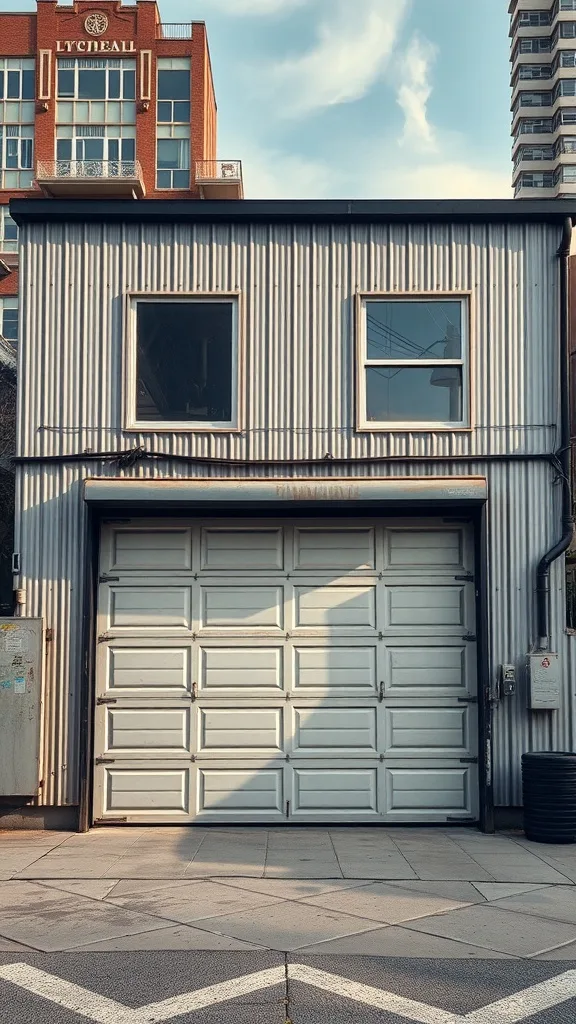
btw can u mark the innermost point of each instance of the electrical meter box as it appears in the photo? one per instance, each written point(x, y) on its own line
point(543, 682)
point(21, 650)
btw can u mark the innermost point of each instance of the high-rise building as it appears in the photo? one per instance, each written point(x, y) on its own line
point(102, 99)
point(543, 56)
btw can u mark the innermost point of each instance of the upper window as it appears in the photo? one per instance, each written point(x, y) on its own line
point(17, 90)
point(9, 318)
point(16, 155)
point(413, 362)
point(540, 44)
point(8, 231)
point(95, 91)
point(173, 93)
point(567, 29)
point(183, 363)
point(533, 19)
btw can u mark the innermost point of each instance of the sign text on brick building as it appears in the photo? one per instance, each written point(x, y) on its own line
point(95, 46)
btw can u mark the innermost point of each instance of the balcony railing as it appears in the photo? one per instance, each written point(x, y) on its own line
point(91, 177)
point(175, 30)
point(220, 179)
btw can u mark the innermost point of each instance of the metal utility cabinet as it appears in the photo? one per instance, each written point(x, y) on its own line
point(20, 695)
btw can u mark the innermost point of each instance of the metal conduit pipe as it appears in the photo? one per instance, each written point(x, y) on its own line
point(564, 461)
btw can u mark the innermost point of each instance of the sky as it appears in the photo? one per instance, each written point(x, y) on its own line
point(359, 98)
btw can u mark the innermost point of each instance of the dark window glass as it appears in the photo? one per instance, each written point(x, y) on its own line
point(180, 179)
point(165, 111)
point(184, 361)
point(181, 112)
point(65, 83)
point(414, 330)
point(173, 85)
point(407, 394)
point(26, 152)
point(128, 149)
point(11, 153)
point(10, 324)
point(129, 85)
point(164, 179)
point(10, 229)
point(64, 149)
point(91, 84)
point(568, 29)
point(1, 85)
point(114, 84)
point(13, 90)
point(28, 85)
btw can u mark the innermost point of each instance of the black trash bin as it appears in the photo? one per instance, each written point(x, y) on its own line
point(549, 791)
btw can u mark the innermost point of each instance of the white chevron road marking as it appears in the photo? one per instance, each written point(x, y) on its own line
point(102, 1010)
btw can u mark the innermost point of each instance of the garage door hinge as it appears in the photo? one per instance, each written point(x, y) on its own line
point(194, 693)
point(106, 700)
point(192, 757)
point(468, 760)
point(287, 808)
point(380, 636)
point(381, 693)
point(103, 637)
point(467, 700)
point(104, 760)
point(467, 578)
point(108, 579)
point(470, 637)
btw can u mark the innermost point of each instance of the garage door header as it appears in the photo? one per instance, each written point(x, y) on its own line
point(246, 492)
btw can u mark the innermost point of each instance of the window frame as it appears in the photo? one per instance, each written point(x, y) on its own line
point(130, 348)
point(465, 298)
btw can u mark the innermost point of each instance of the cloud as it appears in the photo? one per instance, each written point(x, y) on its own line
point(353, 47)
point(414, 92)
point(452, 179)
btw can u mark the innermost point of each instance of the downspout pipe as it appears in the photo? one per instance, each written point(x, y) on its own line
point(564, 459)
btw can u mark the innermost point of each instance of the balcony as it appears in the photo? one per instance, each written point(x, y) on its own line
point(175, 30)
point(116, 179)
point(220, 179)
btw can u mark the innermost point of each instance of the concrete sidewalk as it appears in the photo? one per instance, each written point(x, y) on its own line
point(397, 892)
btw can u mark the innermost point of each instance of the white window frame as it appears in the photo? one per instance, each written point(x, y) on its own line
point(131, 422)
point(362, 362)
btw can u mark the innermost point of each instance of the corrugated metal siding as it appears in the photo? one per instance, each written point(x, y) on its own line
point(298, 285)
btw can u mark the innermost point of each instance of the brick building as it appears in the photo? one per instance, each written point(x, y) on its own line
point(103, 100)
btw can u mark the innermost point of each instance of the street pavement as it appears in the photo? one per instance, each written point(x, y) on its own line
point(311, 926)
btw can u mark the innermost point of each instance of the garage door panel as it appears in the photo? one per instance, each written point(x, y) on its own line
point(240, 792)
point(334, 550)
point(240, 731)
point(246, 550)
point(335, 670)
point(147, 672)
point(240, 669)
point(430, 669)
point(139, 607)
point(150, 550)
point(335, 607)
point(424, 550)
point(428, 731)
point(335, 732)
point(426, 607)
point(149, 791)
point(332, 665)
point(329, 791)
point(247, 607)
point(154, 731)
point(429, 793)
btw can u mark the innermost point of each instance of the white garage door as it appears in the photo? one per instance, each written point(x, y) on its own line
point(316, 671)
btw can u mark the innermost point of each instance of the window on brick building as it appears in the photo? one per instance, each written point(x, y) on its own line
point(16, 155)
point(8, 231)
point(93, 90)
point(173, 123)
point(9, 318)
